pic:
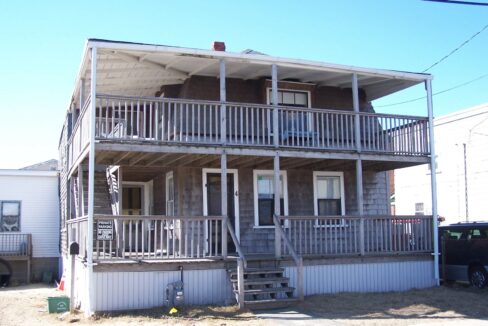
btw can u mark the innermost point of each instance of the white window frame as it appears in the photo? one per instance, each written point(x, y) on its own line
point(291, 90)
point(19, 202)
point(255, 175)
point(315, 195)
point(235, 173)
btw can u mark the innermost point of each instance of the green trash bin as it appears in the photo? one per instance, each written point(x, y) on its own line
point(57, 304)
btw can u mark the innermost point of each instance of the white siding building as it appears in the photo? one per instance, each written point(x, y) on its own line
point(461, 141)
point(33, 200)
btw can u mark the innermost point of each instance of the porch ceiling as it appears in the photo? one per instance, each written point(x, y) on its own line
point(147, 165)
point(141, 70)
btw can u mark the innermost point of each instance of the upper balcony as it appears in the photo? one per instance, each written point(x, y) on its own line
point(157, 98)
point(166, 121)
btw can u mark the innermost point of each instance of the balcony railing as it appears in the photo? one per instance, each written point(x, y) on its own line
point(199, 122)
point(351, 235)
point(15, 244)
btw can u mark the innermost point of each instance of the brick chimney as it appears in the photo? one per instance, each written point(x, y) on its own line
point(218, 46)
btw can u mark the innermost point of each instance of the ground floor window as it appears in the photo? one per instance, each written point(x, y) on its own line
point(264, 195)
point(329, 195)
point(9, 216)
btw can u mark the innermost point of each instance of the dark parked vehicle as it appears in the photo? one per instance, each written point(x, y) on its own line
point(464, 252)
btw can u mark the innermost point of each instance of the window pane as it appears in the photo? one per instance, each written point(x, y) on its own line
point(329, 207)
point(301, 99)
point(266, 185)
point(265, 211)
point(288, 98)
point(10, 209)
point(328, 187)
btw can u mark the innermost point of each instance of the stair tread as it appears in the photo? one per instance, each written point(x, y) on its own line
point(267, 290)
point(270, 301)
point(258, 270)
point(264, 280)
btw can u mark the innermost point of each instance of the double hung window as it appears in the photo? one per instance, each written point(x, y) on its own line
point(264, 196)
point(329, 196)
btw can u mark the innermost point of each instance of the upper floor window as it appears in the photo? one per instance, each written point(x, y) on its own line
point(291, 98)
point(9, 216)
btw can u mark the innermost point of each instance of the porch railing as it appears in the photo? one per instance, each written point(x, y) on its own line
point(199, 122)
point(341, 235)
point(80, 134)
point(298, 259)
point(160, 237)
point(76, 231)
point(15, 244)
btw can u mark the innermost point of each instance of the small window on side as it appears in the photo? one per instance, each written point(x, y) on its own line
point(10, 216)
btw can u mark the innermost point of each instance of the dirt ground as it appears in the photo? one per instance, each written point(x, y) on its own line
point(453, 304)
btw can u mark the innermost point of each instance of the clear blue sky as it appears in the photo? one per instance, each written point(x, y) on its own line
point(42, 43)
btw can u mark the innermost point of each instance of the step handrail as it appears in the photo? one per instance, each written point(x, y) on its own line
point(237, 244)
point(297, 258)
point(241, 265)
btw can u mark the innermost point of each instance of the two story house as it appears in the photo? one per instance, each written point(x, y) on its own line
point(235, 177)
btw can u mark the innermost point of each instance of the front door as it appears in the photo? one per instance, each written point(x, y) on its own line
point(213, 201)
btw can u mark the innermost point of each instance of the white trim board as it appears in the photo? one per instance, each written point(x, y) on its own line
point(255, 173)
point(236, 198)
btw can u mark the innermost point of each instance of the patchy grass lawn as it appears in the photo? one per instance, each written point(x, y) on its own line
point(459, 304)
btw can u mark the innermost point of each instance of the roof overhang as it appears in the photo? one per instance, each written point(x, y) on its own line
point(137, 69)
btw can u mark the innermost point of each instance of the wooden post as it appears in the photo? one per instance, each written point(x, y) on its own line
point(223, 99)
point(223, 189)
point(300, 279)
point(433, 181)
point(360, 209)
point(274, 101)
point(277, 188)
point(91, 185)
point(223, 158)
point(359, 167)
point(355, 101)
point(277, 197)
point(72, 284)
point(240, 283)
point(81, 192)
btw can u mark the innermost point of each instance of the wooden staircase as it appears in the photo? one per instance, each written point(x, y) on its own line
point(265, 287)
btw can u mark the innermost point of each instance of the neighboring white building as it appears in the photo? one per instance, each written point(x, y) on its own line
point(29, 208)
point(461, 141)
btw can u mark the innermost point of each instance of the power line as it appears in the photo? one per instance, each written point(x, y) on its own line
point(458, 48)
point(458, 2)
point(437, 93)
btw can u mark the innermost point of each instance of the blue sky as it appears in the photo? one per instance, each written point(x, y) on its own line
point(42, 43)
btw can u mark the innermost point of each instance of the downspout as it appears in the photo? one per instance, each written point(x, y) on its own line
point(428, 87)
point(91, 185)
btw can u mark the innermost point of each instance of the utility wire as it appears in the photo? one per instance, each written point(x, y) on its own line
point(437, 93)
point(458, 48)
point(474, 3)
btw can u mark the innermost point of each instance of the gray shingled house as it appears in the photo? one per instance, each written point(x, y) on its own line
point(252, 178)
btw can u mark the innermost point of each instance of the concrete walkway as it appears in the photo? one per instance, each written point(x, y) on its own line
point(289, 316)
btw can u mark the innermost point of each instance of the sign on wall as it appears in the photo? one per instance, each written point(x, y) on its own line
point(105, 230)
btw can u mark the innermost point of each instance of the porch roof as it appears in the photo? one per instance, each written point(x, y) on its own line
point(137, 69)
